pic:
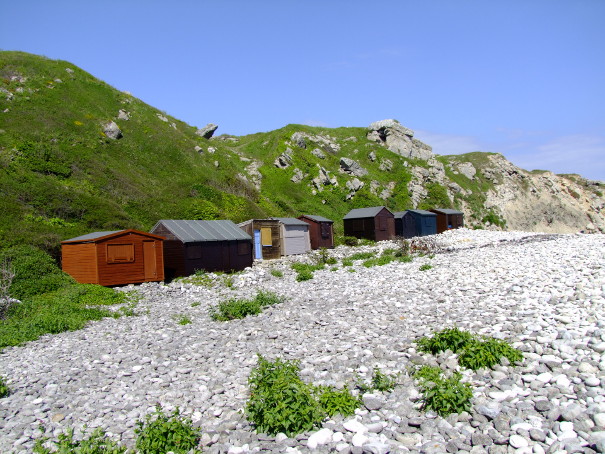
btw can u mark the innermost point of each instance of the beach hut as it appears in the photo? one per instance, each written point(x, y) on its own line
point(448, 219)
point(374, 223)
point(321, 231)
point(411, 223)
point(118, 257)
point(266, 234)
point(192, 245)
point(294, 235)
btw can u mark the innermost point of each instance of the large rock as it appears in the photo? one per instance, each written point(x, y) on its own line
point(284, 160)
point(398, 139)
point(207, 131)
point(352, 167)
point(298, 139)
point(112, 131)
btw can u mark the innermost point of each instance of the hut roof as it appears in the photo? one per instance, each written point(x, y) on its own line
point(291, 221)
point(91, 237)
point(191, 231)
point(447, 211)
point(364, 212)
point(317, 218)
point(400, 214)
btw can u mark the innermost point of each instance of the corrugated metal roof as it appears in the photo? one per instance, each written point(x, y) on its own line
point(447, 211)
point(291, 221)
point(364, 212)
point(94, 235)
point(318, 218)
point(190, 231)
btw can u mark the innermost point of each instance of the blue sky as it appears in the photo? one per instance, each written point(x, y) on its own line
point(525, 78)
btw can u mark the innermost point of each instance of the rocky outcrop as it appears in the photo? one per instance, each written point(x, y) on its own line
point(352, 167)
point(323, 179)
point(398, 139)
point(284, 160)
point(112, 131)
point(207, 131)
point(543, 202)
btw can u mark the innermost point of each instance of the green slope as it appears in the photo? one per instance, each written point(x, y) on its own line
point(60, 176)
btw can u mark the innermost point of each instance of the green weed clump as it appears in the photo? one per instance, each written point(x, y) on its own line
point(183, 320)
point(473, 352)
point(441, 394)
point(239, 308)
point(425, 267)
point(96, 443)
point(4, 389)
point(277, 273)
point(160, 433)
point(305, 270)
point(281, 402)
point(379, 382)
point(362, 256)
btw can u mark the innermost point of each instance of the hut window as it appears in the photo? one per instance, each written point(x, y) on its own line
point(194, 251)
point(325, 230)
point(265, 236)
point(382, 223)
point(120, 253)
point(243, 248)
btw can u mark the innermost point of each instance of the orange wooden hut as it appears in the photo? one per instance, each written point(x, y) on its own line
point(114, 258)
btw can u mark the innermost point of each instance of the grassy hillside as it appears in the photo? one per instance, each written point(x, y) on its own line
point(60, 176)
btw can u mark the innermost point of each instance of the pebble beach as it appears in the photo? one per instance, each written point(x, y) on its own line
point(543, 293)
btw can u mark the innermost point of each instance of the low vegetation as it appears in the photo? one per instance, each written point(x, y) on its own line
point(379, 382)
point(473, 352)
point(304, 271)
point(441, 394)
point(239, 308)
point(4, 389)
point(159, 433)
point(281, 402)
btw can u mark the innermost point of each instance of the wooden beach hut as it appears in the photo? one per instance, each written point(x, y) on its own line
point(117, 257)
point(412, 223)
point(321, 231)
point(266, 235)
point(294, 235)
point(192, 245)
point(373, 223)
point(448, 219)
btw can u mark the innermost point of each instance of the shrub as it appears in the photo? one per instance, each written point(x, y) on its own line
point(96, 443)
point(447, 339)
point(487, 353)
point(35, 272)
point(473, 353)
point(239, 308)
point(337, 401)
point(350, 241)
point(160, 433)
point(443, 395)
point(279, 400)
point(4, 390)
point(304, 275)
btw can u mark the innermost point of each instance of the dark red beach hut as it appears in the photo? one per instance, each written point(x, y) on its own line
point(114, 258)
point(321, 231)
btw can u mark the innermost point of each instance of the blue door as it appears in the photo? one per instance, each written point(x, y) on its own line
point(258, 252)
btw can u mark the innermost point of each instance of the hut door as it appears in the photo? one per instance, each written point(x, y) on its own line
point(149, 260)
point(258, 252)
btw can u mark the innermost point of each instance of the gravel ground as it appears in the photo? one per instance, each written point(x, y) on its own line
point(543, 293)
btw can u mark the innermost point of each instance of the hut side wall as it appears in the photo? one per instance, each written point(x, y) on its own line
point(79, 261)
point(216, 256)
point(360, 228)
point(132, 272)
